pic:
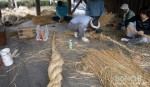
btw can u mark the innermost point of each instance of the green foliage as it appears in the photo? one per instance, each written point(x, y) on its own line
point(28, 3)
point(44, 3)
point(3, 4)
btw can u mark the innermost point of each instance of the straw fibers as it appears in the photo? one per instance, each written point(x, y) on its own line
point(91, 35)
point(113, 69)
point(42, 20)
point(55, 67)
point(105, 19)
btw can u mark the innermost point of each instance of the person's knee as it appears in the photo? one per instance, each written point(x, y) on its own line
point(55, 18)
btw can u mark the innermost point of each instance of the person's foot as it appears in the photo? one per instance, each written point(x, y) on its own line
point(45, 39)
point(125, 39)
point(38, 39)
point(84, 39)
point(75, 34)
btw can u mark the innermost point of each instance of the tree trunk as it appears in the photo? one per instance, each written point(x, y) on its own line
point(10, 4)
point(15, 2)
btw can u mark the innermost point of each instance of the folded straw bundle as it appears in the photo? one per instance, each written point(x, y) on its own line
point(114, 69)
point(105, 19)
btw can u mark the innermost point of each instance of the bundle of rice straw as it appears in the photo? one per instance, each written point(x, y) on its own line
point(47, 12)
point(113, 69)
point(105, 19)
point(28, 16)
point(42, 20)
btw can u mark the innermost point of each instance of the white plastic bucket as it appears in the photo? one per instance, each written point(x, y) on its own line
point(6, 57)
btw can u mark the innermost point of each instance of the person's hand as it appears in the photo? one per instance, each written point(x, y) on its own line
point(61, 19)
point(140, 32)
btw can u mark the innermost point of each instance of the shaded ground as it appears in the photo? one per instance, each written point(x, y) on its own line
point(30, 67)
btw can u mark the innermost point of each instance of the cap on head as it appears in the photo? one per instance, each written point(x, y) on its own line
point(94, 23)
point(124, 6)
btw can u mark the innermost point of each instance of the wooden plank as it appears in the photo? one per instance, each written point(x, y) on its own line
point(26, 32)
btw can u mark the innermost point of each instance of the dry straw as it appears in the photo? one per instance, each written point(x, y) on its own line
point(92, 35)
point(105, 19)
point(113, 69)
point(55, 67)
point(103, 37)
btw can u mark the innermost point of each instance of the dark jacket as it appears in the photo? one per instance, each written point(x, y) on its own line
point(140, 25)
point(129, 15)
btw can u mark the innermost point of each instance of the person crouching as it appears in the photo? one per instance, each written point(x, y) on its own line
point(80, 24)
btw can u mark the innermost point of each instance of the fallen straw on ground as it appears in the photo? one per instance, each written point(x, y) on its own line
point(113, 69)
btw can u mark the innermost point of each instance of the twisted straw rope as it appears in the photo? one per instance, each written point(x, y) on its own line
point(103, 37)
point(55, 67)
point(123, 46)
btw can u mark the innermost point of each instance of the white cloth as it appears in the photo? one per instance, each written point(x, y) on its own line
point(82, 19)
point(129, 33)
point(124, 6)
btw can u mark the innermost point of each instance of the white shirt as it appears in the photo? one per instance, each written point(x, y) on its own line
point(82, 19)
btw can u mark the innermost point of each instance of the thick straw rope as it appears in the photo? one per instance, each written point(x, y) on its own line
point(55, 67)
point(121, 45)
point(135, 31)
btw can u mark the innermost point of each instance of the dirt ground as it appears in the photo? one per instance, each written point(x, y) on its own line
point(32, 63)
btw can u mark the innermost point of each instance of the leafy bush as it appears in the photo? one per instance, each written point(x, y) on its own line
point(44, 3)
point(3, 4)
point(28, 4)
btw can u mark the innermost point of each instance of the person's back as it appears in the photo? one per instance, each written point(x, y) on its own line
point(94, 8)
point(81, 19)
point(80, 23)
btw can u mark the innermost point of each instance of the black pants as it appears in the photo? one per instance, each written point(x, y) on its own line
point(66, 18)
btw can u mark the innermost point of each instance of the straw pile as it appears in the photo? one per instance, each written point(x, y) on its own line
point(105, 19)
point(14, 16)
point(113, 69)
point(42, 20)
point(47, 12)
point(55, 67)
point(103, 37)
point(91, 35)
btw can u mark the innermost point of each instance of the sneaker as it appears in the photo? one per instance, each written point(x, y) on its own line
point(84, 39)
point(125, 39)
point(45, 40)
point(75, 34)
point(38, 39)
